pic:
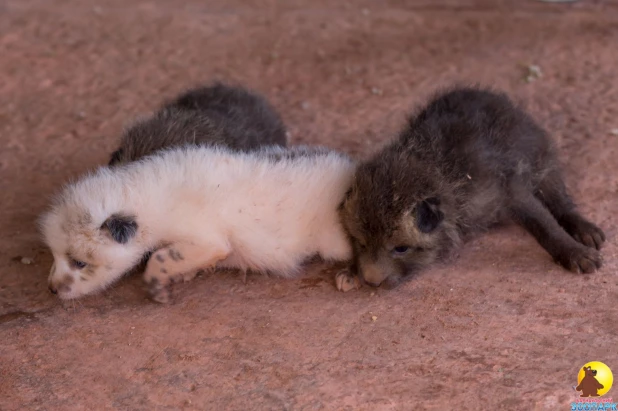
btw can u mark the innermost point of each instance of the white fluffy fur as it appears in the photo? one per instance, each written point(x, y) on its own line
point(215, 206)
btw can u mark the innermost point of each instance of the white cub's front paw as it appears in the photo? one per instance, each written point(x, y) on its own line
point(165, 267)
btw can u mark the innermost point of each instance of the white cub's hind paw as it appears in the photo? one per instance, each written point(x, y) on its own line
point(346, 281)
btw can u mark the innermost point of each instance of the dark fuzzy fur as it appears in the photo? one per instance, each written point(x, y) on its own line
point(469, 160)
point(219, 115)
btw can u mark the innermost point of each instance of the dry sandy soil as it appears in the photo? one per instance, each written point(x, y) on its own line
point(502, 327)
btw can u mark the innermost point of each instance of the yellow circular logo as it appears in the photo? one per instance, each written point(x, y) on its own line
point(594, 379)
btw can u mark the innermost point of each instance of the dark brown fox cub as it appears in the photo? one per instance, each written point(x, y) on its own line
point(219, 114)
point(469, 160)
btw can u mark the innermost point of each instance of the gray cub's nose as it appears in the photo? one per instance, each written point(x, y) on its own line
point(53, 290)
point(373, 283)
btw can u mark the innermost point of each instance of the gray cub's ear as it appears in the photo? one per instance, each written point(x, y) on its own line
point(121, 227)
point(428, 214)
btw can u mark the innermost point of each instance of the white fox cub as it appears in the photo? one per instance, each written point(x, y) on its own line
point(197, 208)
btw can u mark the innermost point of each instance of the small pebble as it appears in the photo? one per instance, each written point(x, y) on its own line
point(614, 131)
point(27, 260)
point(374, 318)
point(376, 91)
point(534, 72)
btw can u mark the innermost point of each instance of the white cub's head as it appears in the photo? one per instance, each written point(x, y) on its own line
point(93, 240)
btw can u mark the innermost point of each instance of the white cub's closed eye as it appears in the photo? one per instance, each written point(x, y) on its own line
point(77, 264)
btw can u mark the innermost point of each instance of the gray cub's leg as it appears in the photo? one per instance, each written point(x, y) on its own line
point(553, 193)
point(530, 213)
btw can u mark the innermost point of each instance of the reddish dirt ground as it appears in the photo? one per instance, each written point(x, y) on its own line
point(502, 327)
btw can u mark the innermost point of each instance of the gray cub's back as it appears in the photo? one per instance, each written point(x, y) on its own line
point(213, 115)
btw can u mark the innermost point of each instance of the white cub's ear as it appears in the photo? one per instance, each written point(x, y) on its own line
point(120, 227)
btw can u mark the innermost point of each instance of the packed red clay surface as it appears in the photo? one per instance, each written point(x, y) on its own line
point(501, 327)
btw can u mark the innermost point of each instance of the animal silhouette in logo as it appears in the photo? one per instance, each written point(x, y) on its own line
point(589, 384)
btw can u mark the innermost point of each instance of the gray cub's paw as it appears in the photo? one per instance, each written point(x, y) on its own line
point(587, 233)
point(346, 281)
point(583, 231)
point(580, 259)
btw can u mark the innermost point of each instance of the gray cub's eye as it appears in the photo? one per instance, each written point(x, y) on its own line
point(401, 249)
point(77, 264)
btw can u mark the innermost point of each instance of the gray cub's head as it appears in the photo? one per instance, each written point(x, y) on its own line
point(395, 216)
